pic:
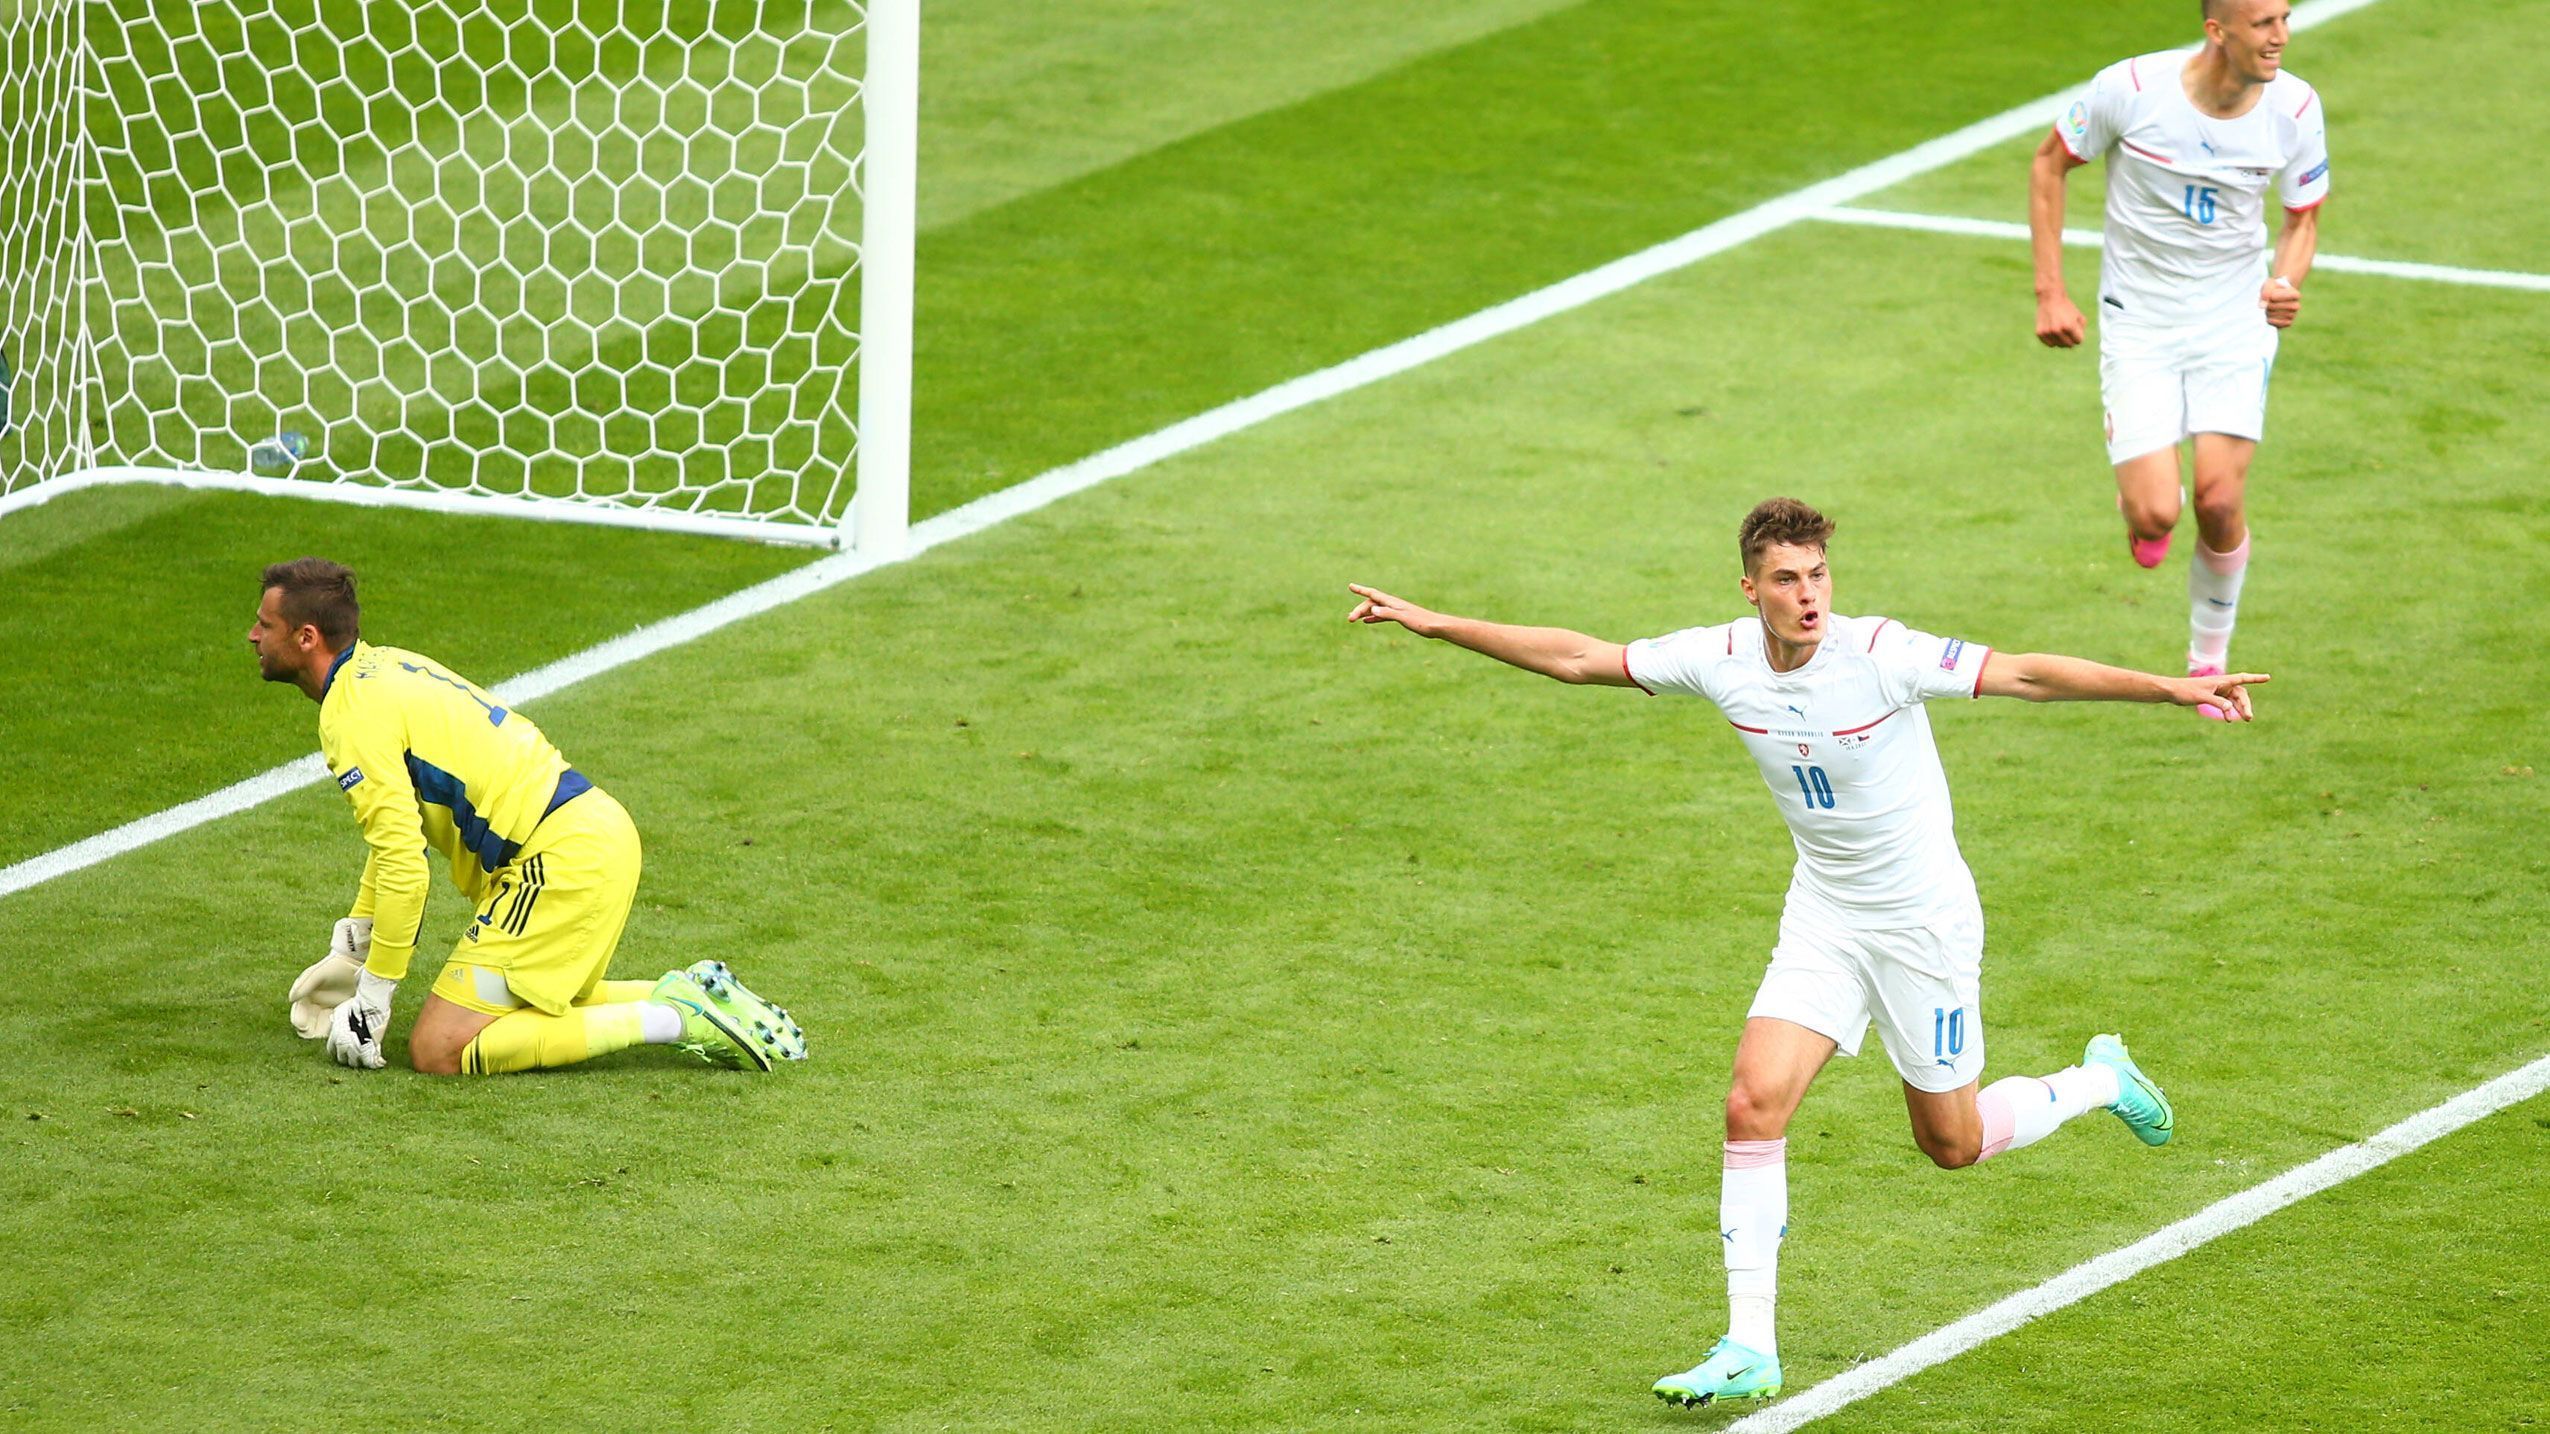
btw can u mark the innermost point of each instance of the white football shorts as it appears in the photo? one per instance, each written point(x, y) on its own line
point(2162, 384)
point(1922, 985)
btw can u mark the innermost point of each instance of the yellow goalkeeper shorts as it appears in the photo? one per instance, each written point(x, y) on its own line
point(553, 915)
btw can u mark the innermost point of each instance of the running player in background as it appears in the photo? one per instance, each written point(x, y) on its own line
point(1881, 921)
point(2190, 304)
point(432, 762)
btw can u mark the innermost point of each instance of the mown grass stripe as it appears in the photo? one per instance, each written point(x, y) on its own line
point(1181, 437)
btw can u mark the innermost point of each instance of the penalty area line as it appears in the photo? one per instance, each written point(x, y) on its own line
point(2205, 1226)
point(2090, 239)
point(1183, 436)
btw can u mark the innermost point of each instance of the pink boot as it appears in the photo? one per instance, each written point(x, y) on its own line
point(2207, 709)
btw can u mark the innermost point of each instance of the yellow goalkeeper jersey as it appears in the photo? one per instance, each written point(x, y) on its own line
point(431, 761)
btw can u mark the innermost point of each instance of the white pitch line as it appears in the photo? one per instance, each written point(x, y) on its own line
point(1124, 458)
point(1813, 202)
point(2211, 1223)
point(1181, 437)
point(2090, 238)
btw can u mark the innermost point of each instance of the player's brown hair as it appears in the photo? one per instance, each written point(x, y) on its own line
point(321, 594)
point(1781, 520)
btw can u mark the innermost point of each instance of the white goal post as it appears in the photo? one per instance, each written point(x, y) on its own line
point(641, 262)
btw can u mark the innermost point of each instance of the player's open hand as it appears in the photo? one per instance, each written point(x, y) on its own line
point(2282, 301)
point(2059, 324)
point(1379, 606)
point(329, 982)
point(2228, 691)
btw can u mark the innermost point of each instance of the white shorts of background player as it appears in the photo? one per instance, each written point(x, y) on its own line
point(2163, 384)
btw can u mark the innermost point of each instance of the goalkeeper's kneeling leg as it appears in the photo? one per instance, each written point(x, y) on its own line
point(535, 1040)
point(443, 1033)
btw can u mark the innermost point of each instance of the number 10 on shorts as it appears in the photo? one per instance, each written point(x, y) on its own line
point(1947, 1032)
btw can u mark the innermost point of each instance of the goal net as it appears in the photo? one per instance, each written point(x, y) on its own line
point(634, 261)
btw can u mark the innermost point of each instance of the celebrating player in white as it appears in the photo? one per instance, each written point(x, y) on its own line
point(2189, 304)
point(1882, 922)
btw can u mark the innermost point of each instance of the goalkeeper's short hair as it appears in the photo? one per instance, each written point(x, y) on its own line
point(320, 594)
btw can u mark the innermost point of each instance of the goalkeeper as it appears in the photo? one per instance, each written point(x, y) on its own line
point(432, 762)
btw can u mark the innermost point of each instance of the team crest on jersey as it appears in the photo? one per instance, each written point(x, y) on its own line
point(347, 782)
point(1804, 750)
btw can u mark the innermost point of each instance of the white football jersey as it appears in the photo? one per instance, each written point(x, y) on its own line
point(1844, 745)
point(2187, 193)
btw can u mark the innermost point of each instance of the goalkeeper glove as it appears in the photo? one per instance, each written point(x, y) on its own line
point(355, 1031)
point(328, 982)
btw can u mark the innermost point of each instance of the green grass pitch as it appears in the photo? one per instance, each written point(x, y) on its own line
point(1223, 1018)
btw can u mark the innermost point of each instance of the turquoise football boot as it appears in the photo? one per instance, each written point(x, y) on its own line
point(1730, 1372)
point(2139, 1102)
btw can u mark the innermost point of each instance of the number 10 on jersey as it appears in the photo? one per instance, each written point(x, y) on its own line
point(1813, 785)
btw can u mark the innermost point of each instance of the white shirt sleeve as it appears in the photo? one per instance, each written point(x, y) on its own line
point(1917, 667)
point(2304, 181)
point(2093, 123)
point(1677, 661)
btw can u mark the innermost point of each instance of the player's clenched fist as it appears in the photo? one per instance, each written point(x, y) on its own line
point(1379, 606)
point(2059, 324)
point(2282, 301)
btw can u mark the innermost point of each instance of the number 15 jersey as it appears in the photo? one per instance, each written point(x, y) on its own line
point(1845, 747)
point(2186, 236)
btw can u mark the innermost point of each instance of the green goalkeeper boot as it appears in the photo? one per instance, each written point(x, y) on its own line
point(724, 1023)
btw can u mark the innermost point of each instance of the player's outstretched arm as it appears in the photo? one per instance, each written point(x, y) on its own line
point(2045, 677)
point(1549, 651)
point(2059, 324)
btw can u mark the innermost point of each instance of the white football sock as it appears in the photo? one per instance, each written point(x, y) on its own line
point(2213, 603)
point(2019, 1111)
point(662, 1024)
point(2079, 1089)
point(1753, 1214)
